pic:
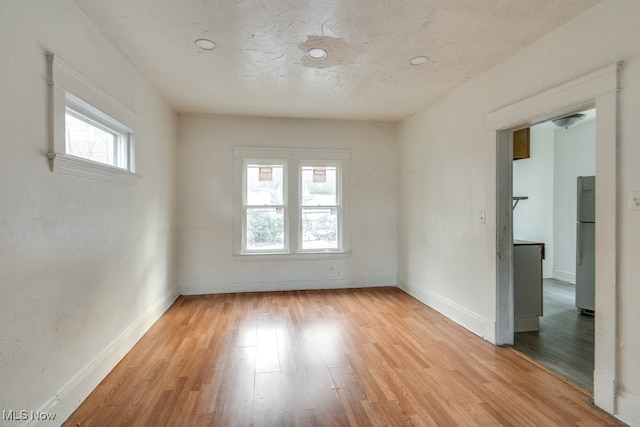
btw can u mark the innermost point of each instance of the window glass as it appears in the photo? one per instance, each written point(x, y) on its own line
point(93, 141)
point(319, 186)
point(265, 185)
point(319, 228)
point(265, 229)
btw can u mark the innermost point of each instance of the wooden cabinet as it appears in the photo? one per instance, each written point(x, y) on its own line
point(521, 144)
point(527, 285)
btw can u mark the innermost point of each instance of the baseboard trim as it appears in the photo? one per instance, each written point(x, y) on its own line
point(73, 393)
point(459, 314)
point(628, 409)
point(565, 276)
point(284, 285)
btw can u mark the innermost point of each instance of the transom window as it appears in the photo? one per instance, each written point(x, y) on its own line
point(94, 141)
point(93, 135)
point(290, 204)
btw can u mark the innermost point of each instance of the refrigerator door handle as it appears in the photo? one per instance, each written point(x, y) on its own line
point(579, 243)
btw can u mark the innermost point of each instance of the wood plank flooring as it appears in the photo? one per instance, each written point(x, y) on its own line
point(360, 357)
point(565, 342)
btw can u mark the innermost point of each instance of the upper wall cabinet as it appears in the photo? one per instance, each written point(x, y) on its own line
point(521, 144)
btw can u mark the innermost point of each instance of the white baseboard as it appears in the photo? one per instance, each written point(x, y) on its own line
point(459, 314)
point(71, 395)
point(565, 276)
point(284, 285)
point(628, 409)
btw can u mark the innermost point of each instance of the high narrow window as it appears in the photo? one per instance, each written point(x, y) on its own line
point(91, 140)
point(91, 133)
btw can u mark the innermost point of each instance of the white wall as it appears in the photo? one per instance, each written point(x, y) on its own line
point(575, 155)
point(447, 170)
point(533, 177)
point(205, 204)
point(85, 266)
point(548, 178)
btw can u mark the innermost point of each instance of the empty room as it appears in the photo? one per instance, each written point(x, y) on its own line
point(336, 212)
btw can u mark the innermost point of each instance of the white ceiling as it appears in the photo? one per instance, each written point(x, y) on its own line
point(260, 68)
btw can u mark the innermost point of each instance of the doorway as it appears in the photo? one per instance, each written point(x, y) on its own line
point(596, 89)
point(545, 177)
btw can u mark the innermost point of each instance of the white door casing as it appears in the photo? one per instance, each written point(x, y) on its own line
point(597, 89)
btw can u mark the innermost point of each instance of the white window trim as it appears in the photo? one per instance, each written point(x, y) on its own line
point(339, 199)
point(285, 204)
point(294, 159)
point(68, 88)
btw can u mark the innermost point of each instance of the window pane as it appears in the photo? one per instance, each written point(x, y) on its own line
point(265, 229)
point(83, 139)
point(319, 186)
point(265, 185)
point(319, 228)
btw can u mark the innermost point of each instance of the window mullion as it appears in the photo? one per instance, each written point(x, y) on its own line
point(293, 199)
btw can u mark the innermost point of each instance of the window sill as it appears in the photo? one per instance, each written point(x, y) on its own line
point(71, 165)
point(300, 256)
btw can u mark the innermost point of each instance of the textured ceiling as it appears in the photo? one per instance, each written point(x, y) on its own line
point(260, 68)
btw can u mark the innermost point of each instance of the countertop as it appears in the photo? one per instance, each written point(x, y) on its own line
point(528, 243)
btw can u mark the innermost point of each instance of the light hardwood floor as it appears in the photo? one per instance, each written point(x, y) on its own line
point(363, 357)
point(565, 342)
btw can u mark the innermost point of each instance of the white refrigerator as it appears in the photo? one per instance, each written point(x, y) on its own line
point(586, 245)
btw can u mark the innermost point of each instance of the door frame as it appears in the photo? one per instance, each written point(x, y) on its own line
point(597, 89)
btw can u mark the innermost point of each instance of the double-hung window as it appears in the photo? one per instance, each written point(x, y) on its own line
point(319, 208)
point(264, 208)
point(291, 201)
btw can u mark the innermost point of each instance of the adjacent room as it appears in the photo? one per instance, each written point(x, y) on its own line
point(313, 213)
point(554, 314)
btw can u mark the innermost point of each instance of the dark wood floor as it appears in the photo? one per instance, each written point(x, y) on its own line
point(565, 342)
point(365, 357)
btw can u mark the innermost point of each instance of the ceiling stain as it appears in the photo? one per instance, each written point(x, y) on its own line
point(339, 52)
point(260, 66)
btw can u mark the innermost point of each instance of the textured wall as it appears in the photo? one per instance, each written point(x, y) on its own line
point(85, 265)
point(575, 155)
point(447, 173)
point(205, 199)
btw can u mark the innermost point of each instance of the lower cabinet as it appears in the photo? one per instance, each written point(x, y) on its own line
point(527, 285)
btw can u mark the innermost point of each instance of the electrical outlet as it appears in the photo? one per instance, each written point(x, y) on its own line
point(634, 200)
point(482, 217)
